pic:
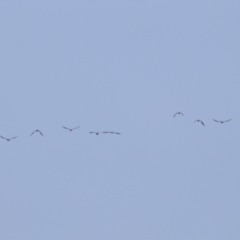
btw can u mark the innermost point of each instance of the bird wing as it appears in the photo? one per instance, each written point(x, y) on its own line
point(202, 123)
point(227, 120)
point(12, 138)
point(40, 132)
point(175, 114)
point(194, 122)
point(116, 132)
point(106, 132)
point(215, 120)
point(3, 137)
point(66, 128)
point(32, 133)
point(75, 127)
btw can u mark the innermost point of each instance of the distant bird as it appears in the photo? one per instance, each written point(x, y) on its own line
point(199, 121)
point(112, 132)
point(180, 113)
point(94, 132)
point(8, 139)
point(70, 129)
point(36, 131)
point(222, 121)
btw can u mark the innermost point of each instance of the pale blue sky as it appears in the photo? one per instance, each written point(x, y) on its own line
point(124, 66)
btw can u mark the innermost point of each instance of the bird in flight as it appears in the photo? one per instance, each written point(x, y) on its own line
point(112, 132)
point(94, 132)
point(222, 121)
point(199, 121)
point(8, 139)
point(36, 131)
point(178, 113)
point(71, 129)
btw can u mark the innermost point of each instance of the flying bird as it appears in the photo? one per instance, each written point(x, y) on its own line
point(8, 139)
point(70, 129)
point(94, 132)
point(112, 132)
point(199, 121)
point(178, 113)
point(222, 121)
point(36, 131)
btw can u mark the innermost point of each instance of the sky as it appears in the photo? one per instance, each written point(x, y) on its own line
point(123, 66)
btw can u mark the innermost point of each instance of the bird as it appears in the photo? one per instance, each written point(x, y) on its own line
point(36, 131)
point(199, 121)
point(222, 121)
point(94, 132)
point(8, 139)
point(112, 132)
point(180, 113)
point(71, 129)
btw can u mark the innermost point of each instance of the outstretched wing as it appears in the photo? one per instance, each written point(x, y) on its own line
point(75, 127)
point(194, 122)
point(32, 133)
point(3, 137)
point(66, 128)
point(227, 120)
point(202, 123)
point(116, 132)
point(40, 133)
point(12, 138)
point(215, 120)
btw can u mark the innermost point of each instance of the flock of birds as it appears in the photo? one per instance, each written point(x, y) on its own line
point(200, 121)
point(97, 133)
point(69, 129)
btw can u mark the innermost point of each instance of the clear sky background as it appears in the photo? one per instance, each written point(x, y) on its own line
point(124, 66)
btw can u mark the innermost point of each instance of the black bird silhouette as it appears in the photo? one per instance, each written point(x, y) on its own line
point(222, 121)
point(180, 113)
point(94, 132)
point(199, 121)
point(8, 139)
point(112, 132)
point(71, 129)
point(36, 131)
